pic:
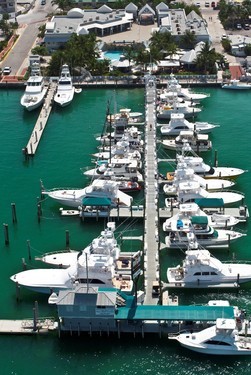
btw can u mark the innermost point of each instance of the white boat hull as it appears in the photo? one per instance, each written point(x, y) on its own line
point(31, 102)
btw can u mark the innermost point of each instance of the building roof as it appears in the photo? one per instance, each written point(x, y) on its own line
point(187, 313)
point(146, 9)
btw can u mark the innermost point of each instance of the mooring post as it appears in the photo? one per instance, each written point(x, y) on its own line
point(24, 264)
point(67, 238)
point(14, 214)
point(17, 292)
point(6, 234)
point(29, 249)
point(39, 212)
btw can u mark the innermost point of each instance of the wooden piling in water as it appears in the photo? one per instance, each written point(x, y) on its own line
point(14, 214)
point(6, 234)
point(67, 239)
point(29, 249)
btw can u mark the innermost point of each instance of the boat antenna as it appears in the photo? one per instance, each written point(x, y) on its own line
point(87, 276)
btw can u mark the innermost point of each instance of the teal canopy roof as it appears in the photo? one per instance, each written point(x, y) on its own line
point(209, 202)
point(201, 220)
point(187, 313)
point(95, 201)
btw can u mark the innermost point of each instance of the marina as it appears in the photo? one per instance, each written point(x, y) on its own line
point(68, 224)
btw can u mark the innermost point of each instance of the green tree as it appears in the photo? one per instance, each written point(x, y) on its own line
point(188, 40)
point(63, 4)
point(206, 59)
point(40, 50)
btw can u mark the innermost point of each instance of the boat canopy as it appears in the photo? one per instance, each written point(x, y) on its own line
point(209, 202)
point(199, 220)
point(96, 201)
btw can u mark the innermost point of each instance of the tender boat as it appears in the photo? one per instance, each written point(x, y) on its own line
point(200, 268)
point(188, 210)
point(183, 173)
point(35, 90)
point(235, 84)
point(221, 339)
point(197, 142)
point(65, 89)
point(98, 189)
point(191, 190)
point(178, 123)
point(182, 231)
point(95, 265)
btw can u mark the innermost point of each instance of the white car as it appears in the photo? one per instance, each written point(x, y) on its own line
point(7, 70)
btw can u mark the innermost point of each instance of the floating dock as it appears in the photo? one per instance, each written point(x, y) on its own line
point(39, 127)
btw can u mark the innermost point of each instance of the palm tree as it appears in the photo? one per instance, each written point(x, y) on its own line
point(206, 59)
point(188, 40)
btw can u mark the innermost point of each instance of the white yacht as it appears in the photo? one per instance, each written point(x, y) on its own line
point(117, 169)
point(165, 110)
point(178, 123)
point(235, 84)
point(35, 90)
point(184, 173)
point(198, 142)
point(95, 265)
point(174, 86)
point(205, 170)
point(120, 149)
point(200, 268)
point(220, 339)
point(197, 227)
point(188, 210)
point(98, 189)
point(65, 89)
point(189, 191)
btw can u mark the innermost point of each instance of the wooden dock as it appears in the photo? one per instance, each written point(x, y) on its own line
point(39, 127)
point(27, 326)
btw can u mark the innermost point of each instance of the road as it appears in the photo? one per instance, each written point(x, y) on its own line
point(29, 25)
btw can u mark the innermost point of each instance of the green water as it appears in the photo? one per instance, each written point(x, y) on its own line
point(67, 143)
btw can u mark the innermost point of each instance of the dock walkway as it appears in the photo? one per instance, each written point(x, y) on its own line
point(41, 122)
point(151, 233)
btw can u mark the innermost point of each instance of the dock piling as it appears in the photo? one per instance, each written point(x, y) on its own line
point(29, 249)
point(14, 215)
point(6, 234)
point(67, 239)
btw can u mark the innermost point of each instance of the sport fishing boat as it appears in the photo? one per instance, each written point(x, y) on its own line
point(184, 173)
point(65, 89)
point(200, 268)
point(95, 265)
point(98, 189)
point(188, 210)
point(197, 164)
point(220, 339)
point(189, 191)
point(117, 169)
point(35, 90)
point(182, 231)
point(178, 123)
point(184, 93)
point(197, 142)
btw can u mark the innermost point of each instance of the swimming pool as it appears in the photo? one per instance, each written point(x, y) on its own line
point(112, 55)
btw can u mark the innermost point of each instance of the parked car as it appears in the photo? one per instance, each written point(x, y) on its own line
point(246, 26)
point(238, 26)
point(198, 5)
point(207, 4)
point(213, 4)
point(6, 70)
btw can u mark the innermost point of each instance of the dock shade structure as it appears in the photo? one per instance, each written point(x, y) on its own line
point(210, 202)
point(96, 201)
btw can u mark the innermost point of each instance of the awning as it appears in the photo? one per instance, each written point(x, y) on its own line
point(200, 220)
point(209, 202)
point(95, 201)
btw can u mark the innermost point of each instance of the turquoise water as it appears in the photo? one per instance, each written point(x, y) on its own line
point(66, 146)
point(113, 55)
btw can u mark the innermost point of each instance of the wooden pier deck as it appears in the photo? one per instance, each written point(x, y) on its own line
point(26, 326)
point(41, 122)
point(151, 221)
